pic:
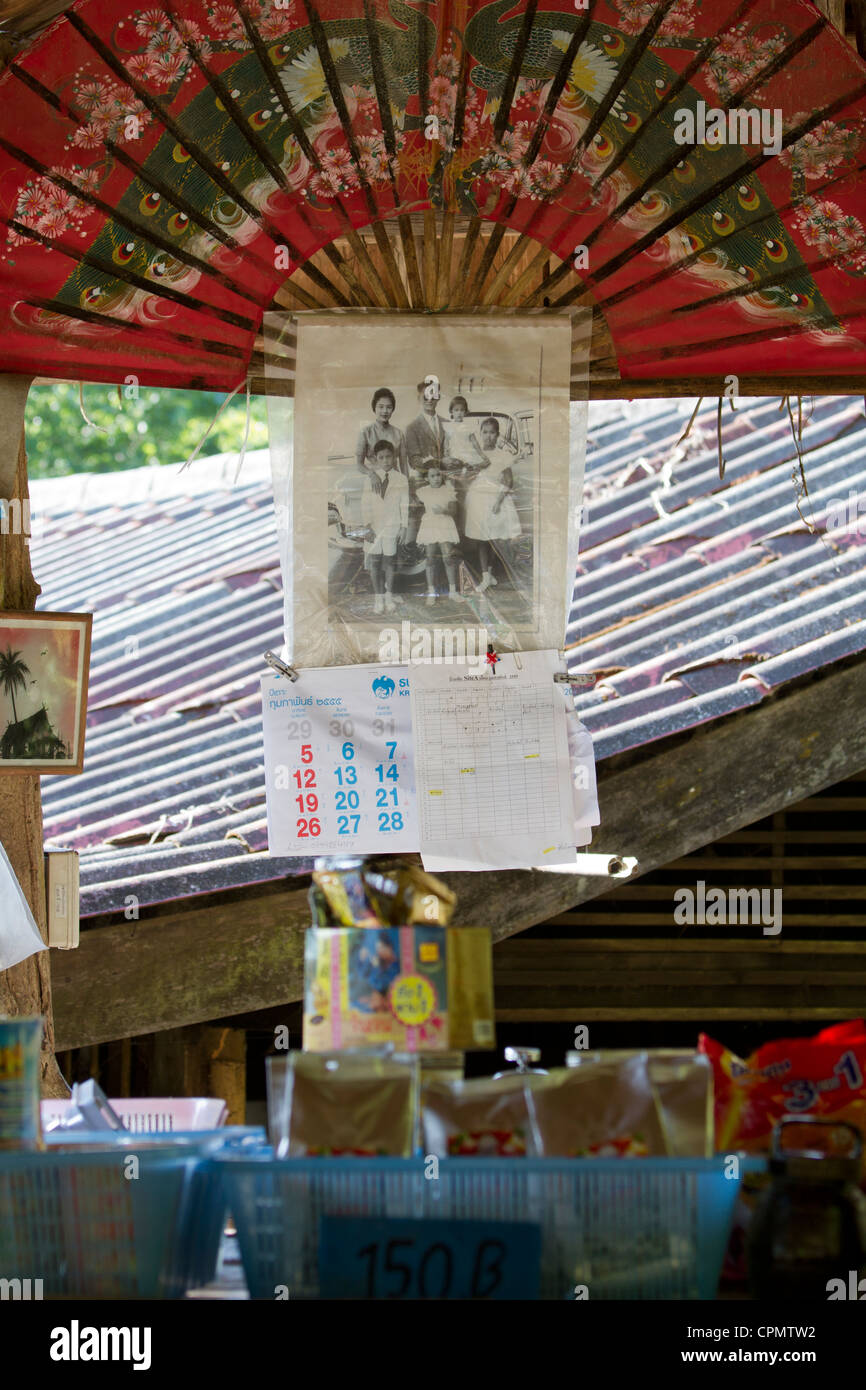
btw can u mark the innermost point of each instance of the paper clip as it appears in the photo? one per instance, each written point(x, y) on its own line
point(281, 666)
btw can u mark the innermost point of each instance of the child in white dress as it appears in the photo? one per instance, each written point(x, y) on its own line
point(464, 449)
point(437, 532)
point(491, 516)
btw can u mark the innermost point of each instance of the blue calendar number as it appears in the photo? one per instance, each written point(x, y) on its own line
point(391, 772)
point(343, 825)
point(387, 822)
point(346, 776)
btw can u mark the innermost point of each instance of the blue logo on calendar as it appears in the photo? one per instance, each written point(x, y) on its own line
point(383, 687)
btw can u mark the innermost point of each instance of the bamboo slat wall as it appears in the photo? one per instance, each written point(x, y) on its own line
point(623, 956)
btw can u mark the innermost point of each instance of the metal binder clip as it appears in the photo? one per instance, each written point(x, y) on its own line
point(574, 678)
point(281, 666)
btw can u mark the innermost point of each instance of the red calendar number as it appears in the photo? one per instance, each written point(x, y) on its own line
point(308, 774)
point(306, 753)
point(308, 827)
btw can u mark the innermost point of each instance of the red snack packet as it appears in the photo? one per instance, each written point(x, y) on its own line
point(823, 1076)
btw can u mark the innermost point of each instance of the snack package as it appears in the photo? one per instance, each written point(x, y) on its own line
point(421, 989)
point(482, 1118)
point(607, 1109)
point(342, 895)
point(412, 895)
point(20, 1048)
point(823, 1076)
point(344, 1105)
point(683, 1083)
point(348, 892)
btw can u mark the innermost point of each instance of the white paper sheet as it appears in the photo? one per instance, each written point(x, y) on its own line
point(19, 935)
point(492, 765)
point(338, 762)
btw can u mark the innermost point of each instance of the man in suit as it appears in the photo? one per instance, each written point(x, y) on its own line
point(426, 435)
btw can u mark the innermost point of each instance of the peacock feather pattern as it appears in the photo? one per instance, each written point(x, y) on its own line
point(258, 117)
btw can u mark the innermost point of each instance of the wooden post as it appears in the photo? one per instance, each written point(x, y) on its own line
point(202, 1061)
point(26, 988)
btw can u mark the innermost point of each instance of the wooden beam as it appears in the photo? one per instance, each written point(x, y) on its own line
point(224, 956)
point(242, 951)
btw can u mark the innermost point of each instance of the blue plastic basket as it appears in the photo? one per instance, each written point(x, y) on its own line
point(192, 1258)
point(76, 1222)
point(625, 1228)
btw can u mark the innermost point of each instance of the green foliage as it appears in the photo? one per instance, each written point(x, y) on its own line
point(160, 427)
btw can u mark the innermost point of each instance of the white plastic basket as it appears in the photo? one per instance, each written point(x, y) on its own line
point(154, 1115)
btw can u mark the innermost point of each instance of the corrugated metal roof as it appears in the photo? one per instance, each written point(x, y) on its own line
point(694, 598)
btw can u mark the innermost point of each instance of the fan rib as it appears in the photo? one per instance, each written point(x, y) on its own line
point(800, 42)
point(204, 161)
point(332, 79)
point(446, 246)
point(281, 95)
point(681, 213)
point(154, 287)
point(472, 289)
point(150, 180)
point(759, 335)
point(705, 51)
point(256, 144)
point(85, 196)
point(383, 101)
point(687, 261)
point(75, 311)
point(556, 89)
point(513, 75)
point(430, 246)
point(675, 218)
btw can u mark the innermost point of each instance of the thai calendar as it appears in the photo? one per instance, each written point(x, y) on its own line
point(339, 762)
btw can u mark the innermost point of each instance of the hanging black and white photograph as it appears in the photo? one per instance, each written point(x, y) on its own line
point(430, 481)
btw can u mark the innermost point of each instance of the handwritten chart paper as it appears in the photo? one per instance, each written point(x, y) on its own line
point(492, 765)
point(338, 762)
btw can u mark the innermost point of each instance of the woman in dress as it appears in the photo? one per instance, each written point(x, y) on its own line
point(383, 405)
point(491, 516)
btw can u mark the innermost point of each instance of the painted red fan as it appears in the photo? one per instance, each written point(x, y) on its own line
point(171, 172)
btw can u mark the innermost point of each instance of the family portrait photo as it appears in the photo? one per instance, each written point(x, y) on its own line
point(431, 475)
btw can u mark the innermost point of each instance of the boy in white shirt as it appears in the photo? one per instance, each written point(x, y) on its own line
point(386, 516)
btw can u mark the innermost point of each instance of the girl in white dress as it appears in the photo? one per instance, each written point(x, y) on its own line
point(491, 516)
point(437, 532)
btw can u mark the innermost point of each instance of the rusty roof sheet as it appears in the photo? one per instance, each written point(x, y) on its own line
point(694, 598)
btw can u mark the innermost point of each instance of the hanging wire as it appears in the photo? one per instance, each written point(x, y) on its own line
point(229, 398)
point(798, 473)
point(719, 438)
point(87, 420)
point(243, 453)
point(692, 419)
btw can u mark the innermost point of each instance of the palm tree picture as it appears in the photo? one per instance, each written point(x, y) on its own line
point(44, 660)
point(13, 676)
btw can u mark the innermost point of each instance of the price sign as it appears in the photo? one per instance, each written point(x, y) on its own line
point(363, 1257)
point(338, 761)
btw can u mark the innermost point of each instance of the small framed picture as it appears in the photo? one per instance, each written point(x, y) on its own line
point(44, 666)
